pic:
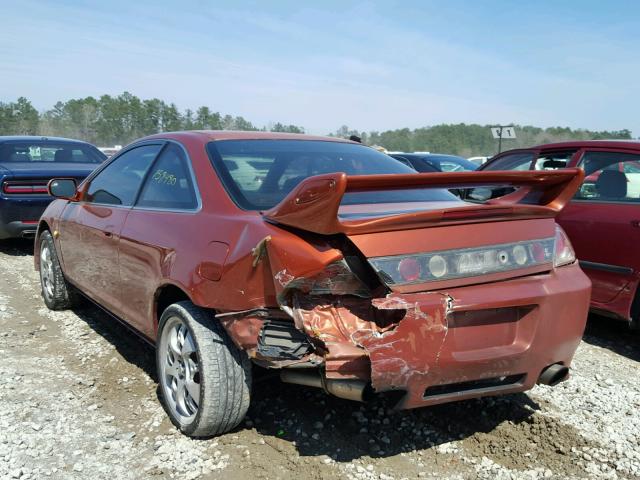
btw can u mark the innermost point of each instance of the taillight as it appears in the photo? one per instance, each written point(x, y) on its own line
point(409, 269)
point(465, 262)
point(564, 253)
point(24, 188)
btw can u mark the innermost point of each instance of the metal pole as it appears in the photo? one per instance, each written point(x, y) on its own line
point(500, 140)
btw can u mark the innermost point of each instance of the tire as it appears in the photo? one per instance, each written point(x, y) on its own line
point(57, 293)
point(196, 358)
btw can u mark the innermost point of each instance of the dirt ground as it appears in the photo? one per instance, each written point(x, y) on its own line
point(78, 399)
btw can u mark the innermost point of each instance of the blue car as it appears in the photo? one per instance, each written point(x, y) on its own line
point(26, 166)
point(435, 162)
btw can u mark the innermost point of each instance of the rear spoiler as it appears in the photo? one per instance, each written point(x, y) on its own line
point(313, 205)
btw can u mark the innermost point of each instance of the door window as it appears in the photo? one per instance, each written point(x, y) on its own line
point(169, 183)
point(120, 181)
point(610, 176)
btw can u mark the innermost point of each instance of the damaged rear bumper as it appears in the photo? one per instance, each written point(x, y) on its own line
point(443, 346)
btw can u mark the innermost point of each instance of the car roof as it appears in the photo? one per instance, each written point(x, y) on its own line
point(206, 136)
point(39, 138)
point(634, 144)
point(426, 155)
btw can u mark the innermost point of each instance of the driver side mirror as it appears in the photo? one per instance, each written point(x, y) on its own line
point(62, 188)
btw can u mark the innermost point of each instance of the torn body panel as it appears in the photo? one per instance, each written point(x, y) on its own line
point(269, 338)
point(391, 332)
point(315, 270)
point(468, 341)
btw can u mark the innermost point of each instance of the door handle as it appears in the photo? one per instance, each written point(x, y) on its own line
point(635, 223)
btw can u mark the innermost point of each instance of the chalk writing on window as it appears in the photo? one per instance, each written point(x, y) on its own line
point(164, 177)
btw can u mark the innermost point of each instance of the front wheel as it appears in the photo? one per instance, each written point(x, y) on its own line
point(56, 291)
point(205, 380)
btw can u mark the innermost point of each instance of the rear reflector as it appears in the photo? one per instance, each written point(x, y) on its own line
point(25, 188)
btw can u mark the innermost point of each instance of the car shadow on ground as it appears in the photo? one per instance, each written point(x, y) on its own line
point(318, 424)
point(129, 345)
point(17, 247)
point(614, 335)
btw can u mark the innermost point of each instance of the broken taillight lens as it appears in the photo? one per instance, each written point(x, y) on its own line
point(336, 279)
point(466, 262)
point(564, 253)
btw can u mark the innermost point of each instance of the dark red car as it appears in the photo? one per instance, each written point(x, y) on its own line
point(602, 220)
point(226, 248)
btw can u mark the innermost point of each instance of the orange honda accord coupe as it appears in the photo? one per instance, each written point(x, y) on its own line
point(320, 257)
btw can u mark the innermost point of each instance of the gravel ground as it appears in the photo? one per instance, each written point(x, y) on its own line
point(78, 399)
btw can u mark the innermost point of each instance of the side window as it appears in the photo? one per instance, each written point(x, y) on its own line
point(512, 161)
point(610, 176)
point(120, 181)
point(169, 184)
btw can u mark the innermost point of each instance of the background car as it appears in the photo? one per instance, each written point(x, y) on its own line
point(478, 160)
point(226, 248)
point(435, 162)
point(110, 151)
point(603, 219)
point(26, 166)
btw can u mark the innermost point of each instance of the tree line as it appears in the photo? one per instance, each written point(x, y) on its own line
point(117, 120)
point(472, 139)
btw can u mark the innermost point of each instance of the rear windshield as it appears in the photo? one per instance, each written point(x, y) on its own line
point(49, 152)
point(511, 161)
point(258, 174)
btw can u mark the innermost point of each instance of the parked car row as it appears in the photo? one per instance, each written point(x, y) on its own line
point(331, 262)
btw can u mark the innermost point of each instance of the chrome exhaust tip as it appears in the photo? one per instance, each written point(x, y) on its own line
point(553, 374)
point(356, 390)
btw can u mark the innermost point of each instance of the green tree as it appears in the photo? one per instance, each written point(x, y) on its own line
point(279, 127)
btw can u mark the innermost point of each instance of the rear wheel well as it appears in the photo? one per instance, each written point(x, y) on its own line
point(635, 310)
point(42, 226)
point(165, 296)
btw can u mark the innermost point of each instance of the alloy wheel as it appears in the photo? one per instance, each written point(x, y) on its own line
point(46, 270)
point(180, 370)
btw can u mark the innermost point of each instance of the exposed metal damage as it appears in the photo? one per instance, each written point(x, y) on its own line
point(401, 340)
point(329, 317)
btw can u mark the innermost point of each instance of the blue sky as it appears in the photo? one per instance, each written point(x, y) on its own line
point(369, 65)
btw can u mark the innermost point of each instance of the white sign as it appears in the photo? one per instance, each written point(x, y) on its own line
point(504, 132)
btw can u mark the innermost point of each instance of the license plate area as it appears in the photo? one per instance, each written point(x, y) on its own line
point(488, 328)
